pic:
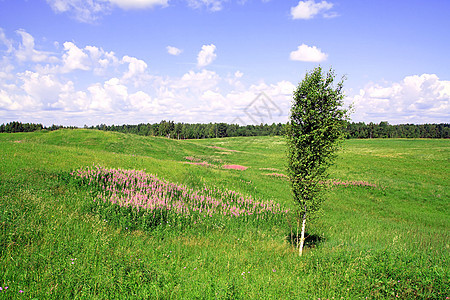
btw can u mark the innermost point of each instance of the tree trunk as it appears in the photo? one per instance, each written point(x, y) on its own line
point(302, 239)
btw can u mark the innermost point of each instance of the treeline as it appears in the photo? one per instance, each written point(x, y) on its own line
point(385, 130)
point(13, 127)
point(174, 130)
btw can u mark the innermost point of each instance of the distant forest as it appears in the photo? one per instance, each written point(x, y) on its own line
point(174, 130)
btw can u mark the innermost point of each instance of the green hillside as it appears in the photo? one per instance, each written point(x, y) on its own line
point(384, 232)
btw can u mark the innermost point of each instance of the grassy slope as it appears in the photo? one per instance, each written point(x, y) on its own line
point(376, 243)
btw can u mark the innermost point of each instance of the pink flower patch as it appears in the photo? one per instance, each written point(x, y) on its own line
point(235, 167)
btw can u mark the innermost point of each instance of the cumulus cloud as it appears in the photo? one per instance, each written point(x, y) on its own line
point(41, 87)
point(173, 50)
point(74, 58)
point(70, 100)
point(18, 103)
point(201, 80)
point(142, 101)
point(108, 97)
point(100, 60)
point(207, 55)
point(308, 54)
point(261, 103)
point(136, 67)
point(309, 9)
point(56, 93)
point(14, 98)
point(415, 99)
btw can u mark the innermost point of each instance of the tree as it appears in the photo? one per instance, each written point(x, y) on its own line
point(315, 129)
point(222, 130)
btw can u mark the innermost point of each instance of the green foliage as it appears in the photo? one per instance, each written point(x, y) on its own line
point(315, 129)
point(361, 130)
point(178, 131)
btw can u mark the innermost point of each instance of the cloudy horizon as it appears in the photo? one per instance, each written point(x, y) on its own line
point(196, 61)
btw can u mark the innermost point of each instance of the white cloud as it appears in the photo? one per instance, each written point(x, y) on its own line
point(5, 41)
point(100, 99)
point(215, 101)
point(416, 99)
point(112, 96)
point(235, 81)
point(6, 102)
point(19, 103)
point(136, 67)
point(40, 87)
point(261, 103)
point(212, 5)
point(139, 4)
point(26, 51)
point(238, 74)
point(173, 50)
point(89, 11)
point(38, 92)
point(206, 55)
point(309, 9)
point(74, 58)
point(6, 69)
point(82, 10)
point(283, 87)
point(201, 81)
point(13, 98)
point(72, 101)
point(308, 54)
point(136, 73)
point(142, 101)
point(89, 58)
point(100, 59)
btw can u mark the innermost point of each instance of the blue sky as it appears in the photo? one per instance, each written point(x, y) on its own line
point(75, 62)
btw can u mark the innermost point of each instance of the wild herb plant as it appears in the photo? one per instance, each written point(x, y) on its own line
point(136, 199)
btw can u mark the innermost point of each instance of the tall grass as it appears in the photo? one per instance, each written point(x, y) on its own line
point(385, 242)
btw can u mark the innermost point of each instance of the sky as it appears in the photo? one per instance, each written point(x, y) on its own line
point(90, 62)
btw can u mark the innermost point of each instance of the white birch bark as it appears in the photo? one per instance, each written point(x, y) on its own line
point(302, 239)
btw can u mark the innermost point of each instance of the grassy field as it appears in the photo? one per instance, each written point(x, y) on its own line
point(387, 241)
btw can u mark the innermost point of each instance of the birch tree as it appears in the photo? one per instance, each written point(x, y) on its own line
point(314, 132)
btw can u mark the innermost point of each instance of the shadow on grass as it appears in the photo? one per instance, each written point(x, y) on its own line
point(311, 240)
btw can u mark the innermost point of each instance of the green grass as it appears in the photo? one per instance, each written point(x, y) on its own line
point(378, 243)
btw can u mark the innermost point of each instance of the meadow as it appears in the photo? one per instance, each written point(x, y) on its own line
point(106, 215)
